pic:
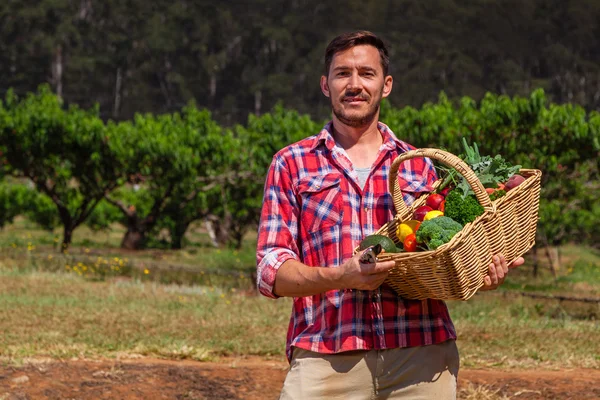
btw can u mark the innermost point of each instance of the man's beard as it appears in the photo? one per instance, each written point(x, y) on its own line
point(356, 121)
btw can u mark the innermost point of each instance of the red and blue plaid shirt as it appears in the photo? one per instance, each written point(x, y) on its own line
point(315, 211)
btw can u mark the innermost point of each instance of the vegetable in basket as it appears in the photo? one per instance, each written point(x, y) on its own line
point(497, 194)
point(437, 231)
point(462, 209)
point(386, 243)
point(513, 182)
point(490, 171)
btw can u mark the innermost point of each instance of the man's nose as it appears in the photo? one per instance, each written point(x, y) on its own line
point(354, 82)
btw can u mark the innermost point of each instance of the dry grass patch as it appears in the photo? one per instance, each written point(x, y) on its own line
point(474, 391)
point(61, 316)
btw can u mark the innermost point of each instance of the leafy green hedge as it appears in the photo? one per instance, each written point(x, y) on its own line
point(166, 171)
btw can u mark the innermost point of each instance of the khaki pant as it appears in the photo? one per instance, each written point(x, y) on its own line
point(427, 372)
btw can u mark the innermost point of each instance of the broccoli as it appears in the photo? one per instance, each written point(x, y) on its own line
point(437, 231)
point(462, 209)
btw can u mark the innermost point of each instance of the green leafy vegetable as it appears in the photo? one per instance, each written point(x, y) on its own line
point(462, 209)
point(497, 194)
point(437, 231)
point(489, 170)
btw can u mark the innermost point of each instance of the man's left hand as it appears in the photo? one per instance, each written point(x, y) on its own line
point(498, 271)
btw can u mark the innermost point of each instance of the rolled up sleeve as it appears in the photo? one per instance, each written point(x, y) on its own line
point(278, 227)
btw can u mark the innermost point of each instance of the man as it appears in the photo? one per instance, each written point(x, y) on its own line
point(350, 337)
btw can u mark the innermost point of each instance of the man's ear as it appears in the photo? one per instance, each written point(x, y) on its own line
point(324, 86)
point(388, 82)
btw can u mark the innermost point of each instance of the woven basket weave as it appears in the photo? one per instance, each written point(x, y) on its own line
point(455, 270)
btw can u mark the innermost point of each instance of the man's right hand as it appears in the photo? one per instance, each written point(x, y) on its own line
point(357, 275)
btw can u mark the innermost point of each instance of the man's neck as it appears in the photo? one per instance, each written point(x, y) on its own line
point(361, 143)
point(349, 136)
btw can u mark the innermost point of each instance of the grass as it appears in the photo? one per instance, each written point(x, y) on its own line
point(63, 315)
point(199, 303)
point(505, 329)
point(98, 255)
point(23, 234)
point(579, 274)
point(479, 392)
point(512, 332)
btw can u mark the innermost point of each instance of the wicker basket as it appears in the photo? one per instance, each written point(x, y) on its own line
point(455, 270)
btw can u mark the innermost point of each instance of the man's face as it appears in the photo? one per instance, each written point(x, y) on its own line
point(355, 85)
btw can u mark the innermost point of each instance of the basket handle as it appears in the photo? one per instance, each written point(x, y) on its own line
point(445, 158)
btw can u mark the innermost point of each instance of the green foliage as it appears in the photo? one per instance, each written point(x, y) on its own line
point(267, 134)
point(42, 210)
point(261, 138)
point(18, 199)
point(66, 153)
point(13, 201)
point(166, 171)
point(175, 158)
point(103, 216)
point(137, 56)
point(562, 140)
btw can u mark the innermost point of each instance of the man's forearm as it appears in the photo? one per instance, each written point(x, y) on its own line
point(295, 279)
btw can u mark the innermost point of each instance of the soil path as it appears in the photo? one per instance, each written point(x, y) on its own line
point(248, 378)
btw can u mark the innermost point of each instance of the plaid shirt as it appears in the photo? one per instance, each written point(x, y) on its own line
point(315, 211)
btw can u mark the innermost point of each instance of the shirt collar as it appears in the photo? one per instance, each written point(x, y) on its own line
point(390, 141)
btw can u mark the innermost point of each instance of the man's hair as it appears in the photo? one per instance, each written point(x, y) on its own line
point(348, 40)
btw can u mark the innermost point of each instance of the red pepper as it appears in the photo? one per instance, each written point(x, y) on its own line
point(410, 243)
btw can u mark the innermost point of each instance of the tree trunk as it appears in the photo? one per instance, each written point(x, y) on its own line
point(67, 237)
point(177, 234)
point(216, 230)
point(552, 254)
point(553, 258)
point(68, 227)
point(85, 9)
point(118, 86)
point(237, 239)
point(135, 237)
point(57, 70)
point(257, 102)
point(213, 86)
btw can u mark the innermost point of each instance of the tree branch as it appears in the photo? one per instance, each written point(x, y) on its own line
point(119, 204)
point(158, 205)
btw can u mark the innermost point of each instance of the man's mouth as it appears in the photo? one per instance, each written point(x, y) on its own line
point(354, 99)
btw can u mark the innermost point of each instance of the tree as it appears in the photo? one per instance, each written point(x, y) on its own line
point(13, 200)
point(173, 158)
point(262, 137)
point(66, 153)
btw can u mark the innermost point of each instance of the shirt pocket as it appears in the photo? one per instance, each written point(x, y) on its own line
point(321, 199)
point(413, 185)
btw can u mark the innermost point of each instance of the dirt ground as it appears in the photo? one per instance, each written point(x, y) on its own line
point(247, 378)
